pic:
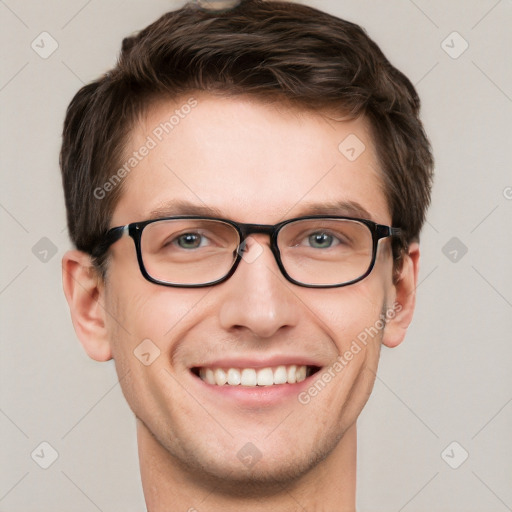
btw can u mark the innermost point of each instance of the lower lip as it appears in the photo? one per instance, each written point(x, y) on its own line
point(256, 396)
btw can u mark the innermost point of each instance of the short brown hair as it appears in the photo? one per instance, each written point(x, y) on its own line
point(261, 48)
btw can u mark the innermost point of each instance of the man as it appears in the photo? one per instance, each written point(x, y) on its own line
point(245, 191)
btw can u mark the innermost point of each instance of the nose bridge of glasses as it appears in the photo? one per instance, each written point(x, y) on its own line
point(253, 229)
point(248, 230)
point(250, 252)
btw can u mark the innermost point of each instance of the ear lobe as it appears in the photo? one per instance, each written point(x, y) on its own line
point(83, 289)
point(400, 316)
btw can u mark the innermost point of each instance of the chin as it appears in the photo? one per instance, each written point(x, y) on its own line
point(263, 478)
point(267, 473)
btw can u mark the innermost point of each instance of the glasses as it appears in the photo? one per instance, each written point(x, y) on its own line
point(193, 252)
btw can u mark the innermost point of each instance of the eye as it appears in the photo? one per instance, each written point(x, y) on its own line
point(190, 241)
point(321, 240)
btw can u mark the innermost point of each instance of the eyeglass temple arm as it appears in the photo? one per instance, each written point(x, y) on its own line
point(112, 235)
point(385, 231)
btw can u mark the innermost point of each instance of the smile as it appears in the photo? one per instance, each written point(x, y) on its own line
point(251, 377)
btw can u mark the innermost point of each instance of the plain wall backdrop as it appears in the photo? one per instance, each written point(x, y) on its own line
point(444, 394)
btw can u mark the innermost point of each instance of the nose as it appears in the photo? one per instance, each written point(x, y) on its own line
point(257, 297)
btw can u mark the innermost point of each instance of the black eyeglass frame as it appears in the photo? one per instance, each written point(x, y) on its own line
point(135, 229)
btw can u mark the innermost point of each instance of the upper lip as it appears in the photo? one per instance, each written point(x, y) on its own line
point(258, 362)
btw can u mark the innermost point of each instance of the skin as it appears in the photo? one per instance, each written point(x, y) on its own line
point(255, 163)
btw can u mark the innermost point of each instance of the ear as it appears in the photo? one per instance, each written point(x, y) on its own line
point(401, 311)
point(84, 292)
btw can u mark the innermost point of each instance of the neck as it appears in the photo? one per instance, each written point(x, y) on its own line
point(168, 485)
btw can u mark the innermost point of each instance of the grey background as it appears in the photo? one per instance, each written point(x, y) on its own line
point(449, 381)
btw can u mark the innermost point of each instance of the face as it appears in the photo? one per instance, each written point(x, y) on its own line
point(250, 163)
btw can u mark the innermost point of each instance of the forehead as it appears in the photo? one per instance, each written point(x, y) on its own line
point(248, 161)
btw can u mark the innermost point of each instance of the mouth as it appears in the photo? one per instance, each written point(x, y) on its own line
point(253, 377)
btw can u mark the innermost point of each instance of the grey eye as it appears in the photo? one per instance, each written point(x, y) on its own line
point(320, 240)
point(189, 241)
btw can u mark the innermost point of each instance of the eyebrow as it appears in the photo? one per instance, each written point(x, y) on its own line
point(343, 208)
point(181, 207)
point(335, 208)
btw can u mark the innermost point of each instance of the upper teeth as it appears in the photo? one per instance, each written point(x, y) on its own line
point(254, 377)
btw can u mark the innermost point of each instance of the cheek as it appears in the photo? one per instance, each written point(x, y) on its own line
point(145, 323)
point(141, 309)
point(351, 317)
point(347, 312)
point(138, 320)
